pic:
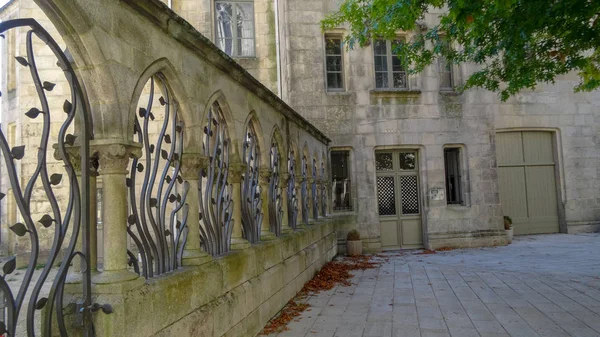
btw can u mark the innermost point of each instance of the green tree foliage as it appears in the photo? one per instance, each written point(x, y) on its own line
point(515, 43)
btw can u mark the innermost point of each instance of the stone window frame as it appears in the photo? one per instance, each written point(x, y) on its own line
point(463, 162)
point(350, 150)
point(389, 63)
point(235, 53)
point(334, 35)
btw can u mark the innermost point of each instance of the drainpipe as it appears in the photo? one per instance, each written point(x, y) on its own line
point(277, 48)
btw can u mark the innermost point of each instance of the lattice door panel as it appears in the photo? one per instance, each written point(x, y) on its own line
point(409, 191)
point(386, 195)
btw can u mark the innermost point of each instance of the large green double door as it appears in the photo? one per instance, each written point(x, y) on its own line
point(398, 199)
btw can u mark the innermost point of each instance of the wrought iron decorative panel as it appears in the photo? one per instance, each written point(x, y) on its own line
point(291, 192)
point(251, 202)
point(66, 219)
point(323, 191)
point(157, 224)
point(409, 190)
point(315, 191)
point(386, 195)
point(304, 191)
point(214, 191)
point(275, 202)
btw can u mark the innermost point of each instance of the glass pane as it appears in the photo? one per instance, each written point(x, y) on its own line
point(410, 194)
point(339, 165)
point(380, 63)
point(381, 80)
point(380, 47)
point(245, 11)
point(386, 196)
point(245, 47)
point(397, 64)
point(400, 80)
point(334, 63)
point(334, 81)
point(408, 160)
point(245, 29)
point(333, 46)
point(224, 11)
point(384, 162)
point(226, 45)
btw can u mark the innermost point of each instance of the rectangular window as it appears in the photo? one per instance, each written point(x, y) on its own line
point(340, 175)
point(389, 72)
point(234, 31)
point(334, 63)
point(445, 72)
point(453, 176)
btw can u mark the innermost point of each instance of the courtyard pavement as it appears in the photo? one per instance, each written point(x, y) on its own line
point(543, 285)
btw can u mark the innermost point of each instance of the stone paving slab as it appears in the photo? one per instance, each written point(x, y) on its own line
point(539, 286)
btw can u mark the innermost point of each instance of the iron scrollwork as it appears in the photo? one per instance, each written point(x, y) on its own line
point(275, 202)
point(157, 224)
point(214, 192)
point(66, 222)
point(315, 191)
point(291, 192)
point(251, 200)
point(323, 191)
point(304, 191)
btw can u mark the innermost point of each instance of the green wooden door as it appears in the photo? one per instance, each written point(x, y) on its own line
point(398, 199)
point(526, 174)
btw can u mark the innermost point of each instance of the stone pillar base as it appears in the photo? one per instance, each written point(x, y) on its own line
point(116, 276)
point(286, 230)
point(267, 236)
point(195, 257)
point(239, 244)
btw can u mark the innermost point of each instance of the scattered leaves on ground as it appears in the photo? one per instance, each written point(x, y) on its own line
point(427, 252)
point(332, 274)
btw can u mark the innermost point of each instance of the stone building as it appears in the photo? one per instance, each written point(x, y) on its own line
point(413, 162)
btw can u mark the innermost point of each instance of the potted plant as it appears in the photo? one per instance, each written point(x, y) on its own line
point(353, 243)
point(508, 228)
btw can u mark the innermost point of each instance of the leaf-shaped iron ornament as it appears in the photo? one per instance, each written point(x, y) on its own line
point(41, 303)
point(168, 139)
point(70, 139)
point(48, 86)
point(22, 61)
point(162, 101)
point(2, 195)
point(19, 229)
point(153, 202)
point(55, 179)
point(18, 152)
point(46, 221)
point(10, 266)
point(33, 113)
point(2, 328)
point(67, 106)
point(107, 309)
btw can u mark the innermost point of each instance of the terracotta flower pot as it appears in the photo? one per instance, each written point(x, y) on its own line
point(509, 234)
point(354, 248)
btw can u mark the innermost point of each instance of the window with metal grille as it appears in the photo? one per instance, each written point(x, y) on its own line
point(340, 175)
point(334, 63)
point(453, 183)
point(389, 72)
point(234, 27)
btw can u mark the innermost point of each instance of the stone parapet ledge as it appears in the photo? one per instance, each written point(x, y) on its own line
point(232, 295)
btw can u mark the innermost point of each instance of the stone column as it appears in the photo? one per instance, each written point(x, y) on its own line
point(191, 164)
point(283, 183)
point(235, 179)
point(113, 160)
point(263, 180)
point(311, 215)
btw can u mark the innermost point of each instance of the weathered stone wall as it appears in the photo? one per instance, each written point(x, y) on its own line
point(234, 295)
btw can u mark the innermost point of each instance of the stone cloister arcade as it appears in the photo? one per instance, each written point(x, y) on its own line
point(219, 187)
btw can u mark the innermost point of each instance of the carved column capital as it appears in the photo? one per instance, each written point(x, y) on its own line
point(191, 163)
point(74, 156)
point(283, 178)
point(264, 175)
point(299, 178)
point(114, 157)
point(235, 173)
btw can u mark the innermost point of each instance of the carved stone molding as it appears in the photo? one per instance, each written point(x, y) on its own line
point(235, 173)
point(283, 178)
point(74, 156)
point(191, 163)
point(264, 175)
point(113, 158)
